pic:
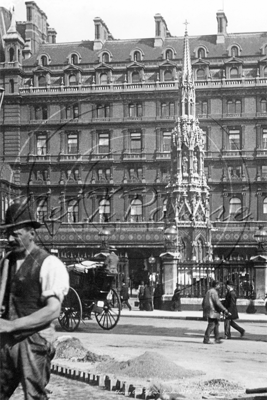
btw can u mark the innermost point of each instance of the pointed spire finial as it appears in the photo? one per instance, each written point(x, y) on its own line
point(12, 27)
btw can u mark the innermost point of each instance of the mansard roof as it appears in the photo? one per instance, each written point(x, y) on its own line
point(250, 43)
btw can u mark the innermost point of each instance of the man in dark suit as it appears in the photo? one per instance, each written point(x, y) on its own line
point(230, 304)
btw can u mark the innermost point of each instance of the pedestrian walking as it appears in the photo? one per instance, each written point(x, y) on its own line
point(176, 299)
point(141, 294)
point(33, 285)
point(230, 304)
point(124, 293)
point(148, 297)
point(212, 307)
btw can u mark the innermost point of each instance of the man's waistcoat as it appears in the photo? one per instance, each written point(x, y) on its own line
point(25, 287)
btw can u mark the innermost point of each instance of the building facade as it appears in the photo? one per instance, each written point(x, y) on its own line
point(87, 127)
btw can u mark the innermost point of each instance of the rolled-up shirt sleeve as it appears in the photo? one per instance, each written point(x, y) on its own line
point(54, 278)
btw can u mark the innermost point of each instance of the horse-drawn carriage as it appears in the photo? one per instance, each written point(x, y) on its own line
point(91, 291)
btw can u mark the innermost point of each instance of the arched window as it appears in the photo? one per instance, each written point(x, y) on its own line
point(73, 211)
point(265, 50)
point(167, 75)
point(265, 72)
point(234, 51)
point(41, 81)
point(234, 205)
point(131, 110)
point(74, 59)
point(234, 73)
point(11, 86)
point(105, 57)
point(72, 80)
point(44, 60)
point(103, 79)
point(11, 54)
point(41, 211)
point(230, 107)
point(238, 109)
point(136, 210)
point(137, 56)
point(201, 53)
point(265, 206)
point(135, 77)
point(263, 106)
point(169, 54)
point(104, 210)
point(200, 74)
point(164, 110)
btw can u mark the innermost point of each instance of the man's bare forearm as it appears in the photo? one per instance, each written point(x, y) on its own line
point(35, 320)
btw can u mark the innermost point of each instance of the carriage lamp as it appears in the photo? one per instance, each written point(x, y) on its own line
point(261, 237)
point(104, 235)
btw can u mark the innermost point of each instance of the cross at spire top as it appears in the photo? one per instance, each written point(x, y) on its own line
point(186, 23)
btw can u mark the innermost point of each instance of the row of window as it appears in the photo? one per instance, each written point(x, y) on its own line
point(135, 141)
point(103, 145)
point(137, 110)
point(132, 110)
point(135, 212)
point(137, 76)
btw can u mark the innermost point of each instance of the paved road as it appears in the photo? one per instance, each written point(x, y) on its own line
point(240, 361)
point(64, 389)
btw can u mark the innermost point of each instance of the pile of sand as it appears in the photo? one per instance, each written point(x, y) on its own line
point(148, 365)
point(68, 347)
point(71, 348)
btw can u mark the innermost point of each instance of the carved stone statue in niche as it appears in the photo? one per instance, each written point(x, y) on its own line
point(195, 164)
point(185, 165)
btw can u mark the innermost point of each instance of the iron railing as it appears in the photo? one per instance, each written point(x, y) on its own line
point(195, 279)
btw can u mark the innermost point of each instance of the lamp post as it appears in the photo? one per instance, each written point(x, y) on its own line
point(172, 240)
point(261, 238)
point(52, 225)
point(152, 261)
point(104, 235)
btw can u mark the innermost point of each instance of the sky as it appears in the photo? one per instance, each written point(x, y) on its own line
point(73, 19)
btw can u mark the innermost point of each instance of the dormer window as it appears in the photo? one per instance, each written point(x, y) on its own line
point(74, 59)
point(135, 77)
point(72, 80)
point(41, 81)
point(234, 51)
point(103, 79)
point(167, 76)
point(44, 61)
point(201, 53)
point(265, 72)
point(200, 74)
point(137, 56)
point(169, 54)
point(105, 57)
point(234, 73)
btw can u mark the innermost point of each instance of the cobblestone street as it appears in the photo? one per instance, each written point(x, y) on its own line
point(66, 389)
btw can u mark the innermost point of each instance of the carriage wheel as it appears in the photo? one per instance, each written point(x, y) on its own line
point(110, 315)
point(71, 311)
